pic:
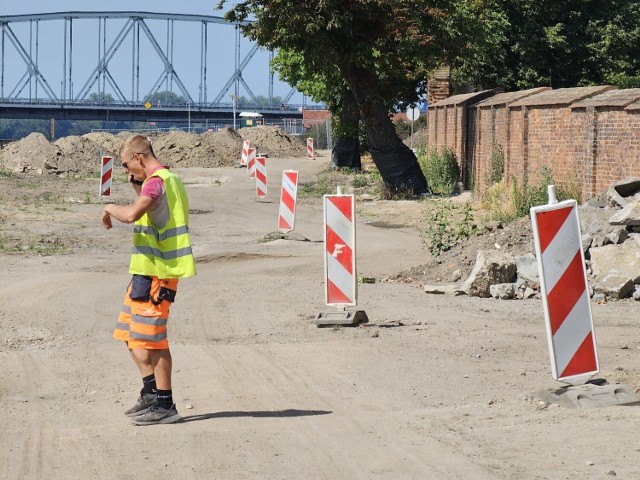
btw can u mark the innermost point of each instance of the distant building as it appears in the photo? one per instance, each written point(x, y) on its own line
point(313, 117)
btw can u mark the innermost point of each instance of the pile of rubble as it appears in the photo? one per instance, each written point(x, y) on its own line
point(610, 227)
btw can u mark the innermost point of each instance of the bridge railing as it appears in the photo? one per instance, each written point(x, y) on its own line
point(156, 105)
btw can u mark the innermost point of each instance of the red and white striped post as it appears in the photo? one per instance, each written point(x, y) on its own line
point(105, 175)
point(565, 294)
point(310, 148)
point(251, 163)
point(245, 152)
point(288, 194)
point(261, 177)
point(341, 288)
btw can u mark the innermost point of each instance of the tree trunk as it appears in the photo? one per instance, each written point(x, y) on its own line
point(396, 162)
point(346, 151)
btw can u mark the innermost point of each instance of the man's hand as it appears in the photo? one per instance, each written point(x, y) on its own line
point(106, 219)
point(133, 180)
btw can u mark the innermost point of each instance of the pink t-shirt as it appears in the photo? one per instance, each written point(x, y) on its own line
point(154, 188)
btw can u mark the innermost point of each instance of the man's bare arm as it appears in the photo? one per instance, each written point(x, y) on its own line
point(126, 213)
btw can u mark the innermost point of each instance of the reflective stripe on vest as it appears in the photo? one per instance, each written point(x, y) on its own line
point(166, 252)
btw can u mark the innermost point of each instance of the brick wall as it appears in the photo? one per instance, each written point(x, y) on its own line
point(447, 126)
point(588, 137)
point(439, 86)
point(313, 117)
point(617, 146)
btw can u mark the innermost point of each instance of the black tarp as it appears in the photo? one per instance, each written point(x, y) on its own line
point(346, 153)
point(400, 170)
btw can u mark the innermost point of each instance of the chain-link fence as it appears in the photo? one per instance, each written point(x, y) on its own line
point(322, 135)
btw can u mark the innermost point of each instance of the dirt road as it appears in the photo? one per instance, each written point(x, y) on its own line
point(435, 387)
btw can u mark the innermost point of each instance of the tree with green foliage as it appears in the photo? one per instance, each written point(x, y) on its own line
point(380, 52)
point(558, 44)
point(337, 97)
point(165, 97)
point(15, 129)
point(101, 97)
point(259, 101)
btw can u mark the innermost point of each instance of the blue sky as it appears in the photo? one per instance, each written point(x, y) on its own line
point(220, 59)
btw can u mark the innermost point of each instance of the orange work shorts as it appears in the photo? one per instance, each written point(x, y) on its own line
point(142, 322)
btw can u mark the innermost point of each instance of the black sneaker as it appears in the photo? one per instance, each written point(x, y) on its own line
point(156, 415)
point(143, 404)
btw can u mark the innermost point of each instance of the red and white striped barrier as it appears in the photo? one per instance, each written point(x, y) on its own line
point(288, 194)
point(310, 148)
point(565, 295)
point(105, 176)
point(340, 250)
point(261, 177)
point(251, 163)
point(245, 152)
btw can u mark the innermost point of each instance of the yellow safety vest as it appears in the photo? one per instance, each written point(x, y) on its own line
point(165, 252)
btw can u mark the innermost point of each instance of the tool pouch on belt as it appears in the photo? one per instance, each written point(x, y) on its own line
point(165, 293)
point(140, 288)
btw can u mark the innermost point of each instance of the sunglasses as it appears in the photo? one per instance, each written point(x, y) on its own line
point(126, 164)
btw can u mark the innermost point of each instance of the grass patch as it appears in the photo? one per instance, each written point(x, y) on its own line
point(45, 246)
point(506, 203)
point(327, 183)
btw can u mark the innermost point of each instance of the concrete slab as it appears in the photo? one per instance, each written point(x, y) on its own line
point(329, 319)
point(590, 395)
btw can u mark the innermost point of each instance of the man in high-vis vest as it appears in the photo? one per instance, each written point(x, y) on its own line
point(161, 254)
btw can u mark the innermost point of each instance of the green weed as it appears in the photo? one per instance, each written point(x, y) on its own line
point(441, 169)
point(360, 181)
point(444, 230)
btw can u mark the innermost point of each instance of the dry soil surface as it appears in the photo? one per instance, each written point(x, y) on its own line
point(434, 387)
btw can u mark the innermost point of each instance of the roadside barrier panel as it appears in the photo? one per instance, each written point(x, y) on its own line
point(261, 176)
point(310, 152)
point(565, 293)
point(105, 175)
point(341, 285)
point(245, 152)
point(251, 163)
point(288, 196)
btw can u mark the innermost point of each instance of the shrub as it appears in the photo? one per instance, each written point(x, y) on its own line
point(496, 169)
point(441, 169)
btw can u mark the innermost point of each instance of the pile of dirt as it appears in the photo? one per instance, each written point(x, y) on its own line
point(109, 144)
point(515, 238)
point(79, 155)
point(211, 149)
point(30, 154)
point(273, 141)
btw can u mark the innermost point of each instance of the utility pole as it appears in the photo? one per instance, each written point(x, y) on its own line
point(234, 99)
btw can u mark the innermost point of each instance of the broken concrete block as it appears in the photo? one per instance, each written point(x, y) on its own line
point(503, 291)
point(622, 260)
point(527, 267)
point(615, 287)
point(492, 267)
point(629, 215)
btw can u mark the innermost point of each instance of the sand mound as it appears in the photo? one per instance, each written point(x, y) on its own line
point(211, 149)
point(108, 143)
point(80, 156)
point(30, 154)
point(273, 141)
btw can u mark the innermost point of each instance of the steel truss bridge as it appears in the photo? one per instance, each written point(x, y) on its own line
point(106, 65)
